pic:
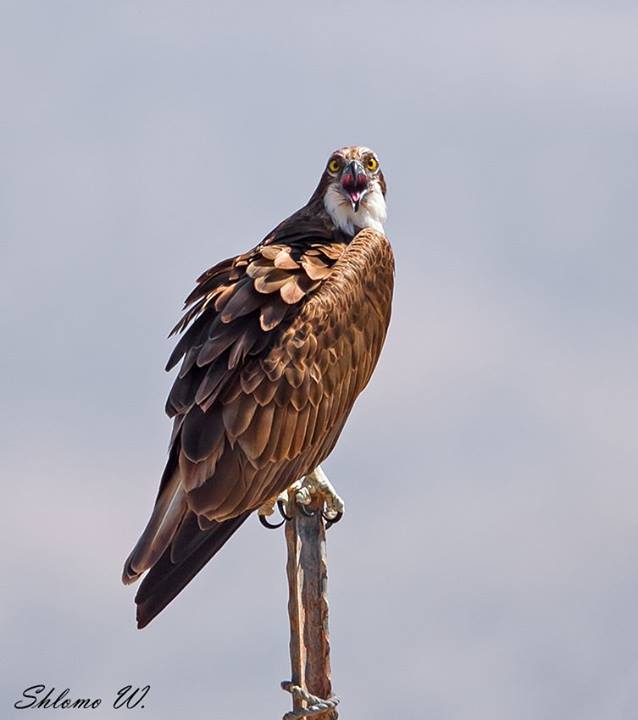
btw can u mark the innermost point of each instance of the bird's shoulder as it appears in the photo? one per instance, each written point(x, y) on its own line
point(239, 306)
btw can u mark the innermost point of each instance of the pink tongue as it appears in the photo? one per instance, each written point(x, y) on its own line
point(354, 196)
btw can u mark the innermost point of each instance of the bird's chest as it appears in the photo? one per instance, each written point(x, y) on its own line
point(344, 325)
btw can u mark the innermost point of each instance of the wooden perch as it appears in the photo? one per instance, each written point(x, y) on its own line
point(307, 571)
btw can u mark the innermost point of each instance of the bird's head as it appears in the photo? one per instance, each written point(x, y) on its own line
point(353, 189)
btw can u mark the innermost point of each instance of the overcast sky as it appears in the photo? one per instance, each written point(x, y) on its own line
point(487, 567)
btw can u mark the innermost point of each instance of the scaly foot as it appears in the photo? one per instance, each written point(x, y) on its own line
point(303, 492)
point(315, 484)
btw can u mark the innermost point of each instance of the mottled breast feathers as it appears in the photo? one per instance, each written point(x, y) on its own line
point(278, 343)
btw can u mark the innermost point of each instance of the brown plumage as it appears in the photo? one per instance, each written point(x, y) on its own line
point(277, 344)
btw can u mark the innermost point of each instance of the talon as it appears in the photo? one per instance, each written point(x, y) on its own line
point(330, 521)
point(282, 510)
point(269, 525)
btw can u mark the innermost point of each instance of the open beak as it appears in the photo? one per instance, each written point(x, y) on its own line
point(354, 182)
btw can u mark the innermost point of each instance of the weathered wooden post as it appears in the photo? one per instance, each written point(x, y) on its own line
point(307, 571)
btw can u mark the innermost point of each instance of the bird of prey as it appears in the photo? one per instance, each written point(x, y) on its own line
point(277, 344)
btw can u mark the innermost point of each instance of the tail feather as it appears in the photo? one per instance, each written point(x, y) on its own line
point(168, 513)
point(190, 550)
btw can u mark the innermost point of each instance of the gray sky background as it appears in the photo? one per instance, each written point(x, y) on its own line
point(487, 567)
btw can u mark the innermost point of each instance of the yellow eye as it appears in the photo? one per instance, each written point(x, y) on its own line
point(372, 163)
point(334, 165)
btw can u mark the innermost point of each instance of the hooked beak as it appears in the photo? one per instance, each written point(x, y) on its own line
point(354, 182)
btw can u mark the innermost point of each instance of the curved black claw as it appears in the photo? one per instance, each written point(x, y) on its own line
point(282, 510)
point(330, 521)
point(269, 525)
point(304, 510)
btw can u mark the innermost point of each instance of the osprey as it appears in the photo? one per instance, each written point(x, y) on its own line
point(277, 344)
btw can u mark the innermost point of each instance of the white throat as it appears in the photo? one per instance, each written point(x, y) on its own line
point(371, 212)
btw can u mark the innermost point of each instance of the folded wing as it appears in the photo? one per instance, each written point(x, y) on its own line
point(278, 343)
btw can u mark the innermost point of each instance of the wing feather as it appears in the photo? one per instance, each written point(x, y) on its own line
point(271, 367)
